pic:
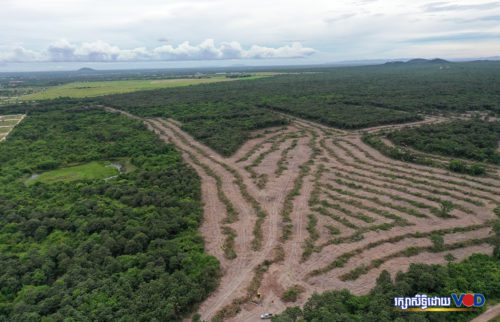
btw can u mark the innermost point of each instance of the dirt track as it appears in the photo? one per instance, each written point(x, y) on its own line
point(489, 315)
point(334, 205)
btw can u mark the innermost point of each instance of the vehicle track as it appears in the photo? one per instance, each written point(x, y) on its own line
point(391, 205)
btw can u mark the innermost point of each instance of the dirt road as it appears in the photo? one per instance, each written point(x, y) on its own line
point(491, 314)
point(338, 210)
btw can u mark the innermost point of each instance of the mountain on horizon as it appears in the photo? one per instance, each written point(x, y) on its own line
point(419, 61)
point(86, 70)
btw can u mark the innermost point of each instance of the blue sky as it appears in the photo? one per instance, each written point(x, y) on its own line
point(248, 32)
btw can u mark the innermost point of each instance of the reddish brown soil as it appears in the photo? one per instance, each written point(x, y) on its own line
point(387, 185)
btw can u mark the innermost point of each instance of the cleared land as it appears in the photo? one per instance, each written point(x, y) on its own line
point(313, 208)
point(7, 124)
point(93, 89)
point(88, 171)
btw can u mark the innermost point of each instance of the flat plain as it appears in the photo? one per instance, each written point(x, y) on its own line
point(100, 88)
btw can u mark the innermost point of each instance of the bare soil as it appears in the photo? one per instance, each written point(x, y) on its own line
point(490, 314)
point(383, 185)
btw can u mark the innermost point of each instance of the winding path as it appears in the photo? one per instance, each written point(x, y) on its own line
point(366, 207)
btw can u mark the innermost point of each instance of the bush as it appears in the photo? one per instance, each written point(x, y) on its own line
point(460, 166)
point(292, 294)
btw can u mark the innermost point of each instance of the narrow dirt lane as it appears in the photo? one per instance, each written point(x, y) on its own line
point(371, 213)
point(489, 315)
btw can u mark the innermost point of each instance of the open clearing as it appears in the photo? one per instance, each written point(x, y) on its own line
point(7, 124)
point(100, 88)
point(314, 207)
point(88, 171)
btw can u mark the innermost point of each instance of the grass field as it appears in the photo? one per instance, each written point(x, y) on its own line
point(93, 89)
point(88, 171)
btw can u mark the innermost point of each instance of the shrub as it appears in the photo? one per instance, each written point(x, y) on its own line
point(292, 294)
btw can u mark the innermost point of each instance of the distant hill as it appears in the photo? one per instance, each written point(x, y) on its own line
point(419, 61)
point(86, 70)
point(427, 61)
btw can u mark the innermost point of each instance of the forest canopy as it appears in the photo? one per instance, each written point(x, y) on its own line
point(474, 139)
point(93, 250)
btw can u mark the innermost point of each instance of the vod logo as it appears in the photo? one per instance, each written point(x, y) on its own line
point(468, 299)
point(422, 302)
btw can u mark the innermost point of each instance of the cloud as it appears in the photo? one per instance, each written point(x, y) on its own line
point(485, 18)
point(61, 50)
point(340, 17)
point(155, 30)
point(450, 6)
point(294, 51)
point(460, 37)
point(100, 51)
point(19, 54)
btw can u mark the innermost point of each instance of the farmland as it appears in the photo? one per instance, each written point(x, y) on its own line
point(99, 88)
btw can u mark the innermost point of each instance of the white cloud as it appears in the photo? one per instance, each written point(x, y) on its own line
point(337, 30)
point(294, 51)
point(100, 51)
point(19, 54)
point(61, 50)
point(97, 51)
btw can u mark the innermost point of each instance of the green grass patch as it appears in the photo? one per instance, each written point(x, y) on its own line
point(87, 171)
point(93, 89)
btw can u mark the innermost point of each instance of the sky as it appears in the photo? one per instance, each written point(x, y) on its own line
point(240, 32)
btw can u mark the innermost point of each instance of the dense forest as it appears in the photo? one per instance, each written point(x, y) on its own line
point(474, 139)
point(222, 114)
point(224, 126)
point(346, 115)
point(411, 88)
point(479, 273)
point(98, 250)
